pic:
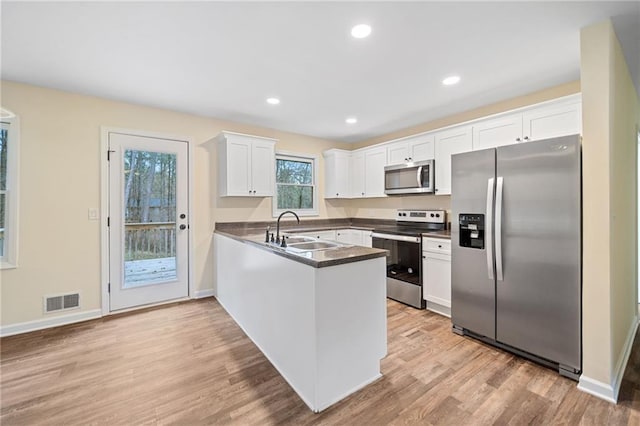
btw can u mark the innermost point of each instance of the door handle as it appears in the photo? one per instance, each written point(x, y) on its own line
point(419, 177)
point(489, 227)
point(499, 185)
point(183, 227)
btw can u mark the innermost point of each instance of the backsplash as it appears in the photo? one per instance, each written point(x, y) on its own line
point(385, 208)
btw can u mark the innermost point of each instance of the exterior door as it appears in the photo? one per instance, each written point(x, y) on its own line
point(148, 220)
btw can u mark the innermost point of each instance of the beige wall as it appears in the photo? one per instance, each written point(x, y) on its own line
point(611, 114)
point(60, 179)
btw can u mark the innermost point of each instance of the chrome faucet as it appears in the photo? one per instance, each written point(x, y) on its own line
point(283, 244)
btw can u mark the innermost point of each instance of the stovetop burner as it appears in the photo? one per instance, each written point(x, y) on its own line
point(415, 222)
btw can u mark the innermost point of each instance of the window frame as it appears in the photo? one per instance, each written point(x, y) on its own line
point(9, 259)
point(295, 156)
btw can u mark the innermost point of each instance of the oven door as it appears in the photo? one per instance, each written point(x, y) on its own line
point(404, 267)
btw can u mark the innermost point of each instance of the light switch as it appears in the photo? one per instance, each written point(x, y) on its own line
point(93, 214)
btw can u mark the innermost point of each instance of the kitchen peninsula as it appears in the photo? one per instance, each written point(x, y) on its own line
point(319, 316)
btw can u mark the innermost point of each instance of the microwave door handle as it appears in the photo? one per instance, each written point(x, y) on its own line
point(419, 177)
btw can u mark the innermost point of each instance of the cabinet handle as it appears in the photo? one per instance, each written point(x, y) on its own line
point(424, 257)
point(363, 193)
point(439, 246)
point(518, 139)
point(337, 194)
point(526, 138)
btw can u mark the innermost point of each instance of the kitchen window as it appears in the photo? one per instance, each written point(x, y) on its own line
point(296, 178)
point(9, 145)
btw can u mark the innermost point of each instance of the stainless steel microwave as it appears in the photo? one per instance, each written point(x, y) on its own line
point(409, 178)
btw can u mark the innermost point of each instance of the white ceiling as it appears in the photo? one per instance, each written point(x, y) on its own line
point(223, 59)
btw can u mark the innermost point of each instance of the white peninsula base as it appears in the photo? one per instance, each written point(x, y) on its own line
point(324, 329)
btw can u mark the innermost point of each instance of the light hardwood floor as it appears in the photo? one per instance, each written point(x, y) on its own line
point(190, 364)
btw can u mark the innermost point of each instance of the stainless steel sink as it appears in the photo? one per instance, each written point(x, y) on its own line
point(313, 246)
point(299, 239)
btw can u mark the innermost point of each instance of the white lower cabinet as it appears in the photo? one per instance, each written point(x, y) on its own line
point(367, 240)
point(323, 235)
point(350, 236)
point(436, 275)
point(356, 237)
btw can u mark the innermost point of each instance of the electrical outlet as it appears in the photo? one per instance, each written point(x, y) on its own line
point(93, 214)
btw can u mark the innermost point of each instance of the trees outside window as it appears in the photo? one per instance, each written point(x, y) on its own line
point(295, 185)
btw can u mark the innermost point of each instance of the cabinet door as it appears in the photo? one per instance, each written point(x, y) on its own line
point(449, 142)
point(262, 168)
point(552, 121)
point(367, 240)
point(397, 153)
point(349, 236)
point(422, 148)
point(324, 235)
point(374, 161)
point(357, 178)
point(497, 132)
point(239, 168)
point(337, 176)
point(436, 269)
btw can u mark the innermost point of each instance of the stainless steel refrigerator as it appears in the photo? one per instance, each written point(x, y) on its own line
point(516, 249)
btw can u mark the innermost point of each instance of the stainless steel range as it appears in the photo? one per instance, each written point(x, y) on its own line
point(404, 243)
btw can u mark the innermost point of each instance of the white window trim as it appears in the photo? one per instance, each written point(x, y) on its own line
point(296, 156)
point(10, 258)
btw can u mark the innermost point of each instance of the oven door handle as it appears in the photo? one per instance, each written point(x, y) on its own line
point(396, 237)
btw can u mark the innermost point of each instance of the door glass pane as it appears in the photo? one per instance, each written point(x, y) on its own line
point(150, 218)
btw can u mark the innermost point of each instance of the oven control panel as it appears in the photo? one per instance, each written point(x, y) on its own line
point(426, 216)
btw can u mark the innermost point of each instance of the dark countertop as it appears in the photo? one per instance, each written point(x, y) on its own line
point(316, 259)
point(438, 234)
point(288, 225)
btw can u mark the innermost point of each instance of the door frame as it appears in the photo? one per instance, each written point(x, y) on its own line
point(104, 212)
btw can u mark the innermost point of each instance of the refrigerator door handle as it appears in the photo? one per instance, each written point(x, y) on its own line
point(489, 226)
point(499, 185)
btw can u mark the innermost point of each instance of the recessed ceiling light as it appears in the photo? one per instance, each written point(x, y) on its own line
point(273, 101)
point(361, 31)
point(351, 120)
point(453, 79)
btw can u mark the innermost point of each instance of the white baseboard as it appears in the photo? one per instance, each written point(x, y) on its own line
point(606, 391)
point(25, 327)
point(597, 388)
point(203, 293)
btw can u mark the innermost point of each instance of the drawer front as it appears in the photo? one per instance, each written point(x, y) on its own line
point(437, 245)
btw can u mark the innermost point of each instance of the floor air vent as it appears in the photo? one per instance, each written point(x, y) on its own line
point(62, 302)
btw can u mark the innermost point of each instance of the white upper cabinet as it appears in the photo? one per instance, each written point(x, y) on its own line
point(356, 178)
point(374, 161)
point(505, 130)
point(557, 118)
point(336, 173)
point(245, 165)
point(449, 142)
point(550, 121)
point(416, 148)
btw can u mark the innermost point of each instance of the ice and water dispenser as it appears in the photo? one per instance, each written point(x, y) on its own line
point(471, 230)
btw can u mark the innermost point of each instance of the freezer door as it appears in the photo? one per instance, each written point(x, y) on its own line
point(472, 268)
point(538, 301)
